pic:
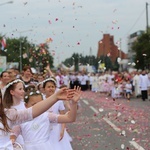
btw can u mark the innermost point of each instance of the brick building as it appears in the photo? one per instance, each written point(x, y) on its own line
point(106, 46)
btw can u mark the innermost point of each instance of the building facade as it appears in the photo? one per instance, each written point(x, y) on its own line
point(107, 47)
point(131, 39)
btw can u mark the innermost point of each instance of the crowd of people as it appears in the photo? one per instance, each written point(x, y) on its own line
point(33, 106)
point(110, 83)
point(34, 111)
point(122, 84)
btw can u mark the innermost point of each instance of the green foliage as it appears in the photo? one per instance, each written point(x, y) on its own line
point(108, 63)
point(40, 56)
point(142, 49)
point(116, 65)
point(78, 60)
point(33, 55)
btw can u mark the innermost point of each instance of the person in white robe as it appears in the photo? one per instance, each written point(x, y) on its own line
point(137, 91)
point(144, 83)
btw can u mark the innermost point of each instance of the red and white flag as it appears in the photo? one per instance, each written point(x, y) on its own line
point(3, 43)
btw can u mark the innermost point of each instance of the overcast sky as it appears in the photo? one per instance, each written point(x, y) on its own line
point(74, 25)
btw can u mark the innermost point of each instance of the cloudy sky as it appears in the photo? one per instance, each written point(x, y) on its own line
point(74, 25)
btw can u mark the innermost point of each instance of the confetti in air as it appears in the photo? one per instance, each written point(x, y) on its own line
point(101, 109)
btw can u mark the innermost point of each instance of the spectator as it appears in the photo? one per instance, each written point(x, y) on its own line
point(144, 85)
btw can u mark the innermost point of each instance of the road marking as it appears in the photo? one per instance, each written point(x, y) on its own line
point(133, 143)
point(136, 145)
point(94, 109)
point(112, 125)
point(86, 102)
point(108, 121)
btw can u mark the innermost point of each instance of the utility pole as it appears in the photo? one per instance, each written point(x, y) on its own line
point(20, 47)
point(146, 17)
point(90, 56)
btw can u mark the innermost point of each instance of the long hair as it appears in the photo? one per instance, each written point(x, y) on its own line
point(8, 99)
point(3, 117)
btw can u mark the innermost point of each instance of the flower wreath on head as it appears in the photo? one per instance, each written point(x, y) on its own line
point(32, 93)
point(49, 79)
point(40, 83)
point(13, 82)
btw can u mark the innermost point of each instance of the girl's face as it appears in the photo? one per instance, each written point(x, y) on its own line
point(18, 92)
point(49, 89)
point(33, 100)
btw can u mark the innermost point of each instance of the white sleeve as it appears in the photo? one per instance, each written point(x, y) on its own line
point(19, 116)
point(16, 130)
point(53, 118)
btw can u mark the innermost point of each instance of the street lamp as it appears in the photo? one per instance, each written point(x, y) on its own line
point(147, 17)
point(9, 2)
point(20, 48)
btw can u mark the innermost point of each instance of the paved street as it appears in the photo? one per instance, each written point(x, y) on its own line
point(104, 124)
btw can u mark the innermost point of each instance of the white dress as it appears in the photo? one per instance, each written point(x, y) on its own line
point(64, 144)
point(115, 93)
point(36, 133)
point(21, 106)
point(17, 118)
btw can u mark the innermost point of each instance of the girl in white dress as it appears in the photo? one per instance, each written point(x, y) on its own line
point(115, 93)
point(11, 117)
point(58, 136)
point(128, 88)
point(36, 132)
point(15, 103)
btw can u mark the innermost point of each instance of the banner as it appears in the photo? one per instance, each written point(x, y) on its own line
point(101, 66)
point(2, 63)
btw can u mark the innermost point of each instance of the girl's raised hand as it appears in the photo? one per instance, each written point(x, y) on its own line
point(65, 94)
point(77, 94)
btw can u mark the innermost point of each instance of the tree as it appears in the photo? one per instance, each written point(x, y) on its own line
point(108, 63)
point(40, 56)
point(33, 55)
point(78, 59)
point(142, 49)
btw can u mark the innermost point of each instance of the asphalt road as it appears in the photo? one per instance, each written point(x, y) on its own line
point(104, 124)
